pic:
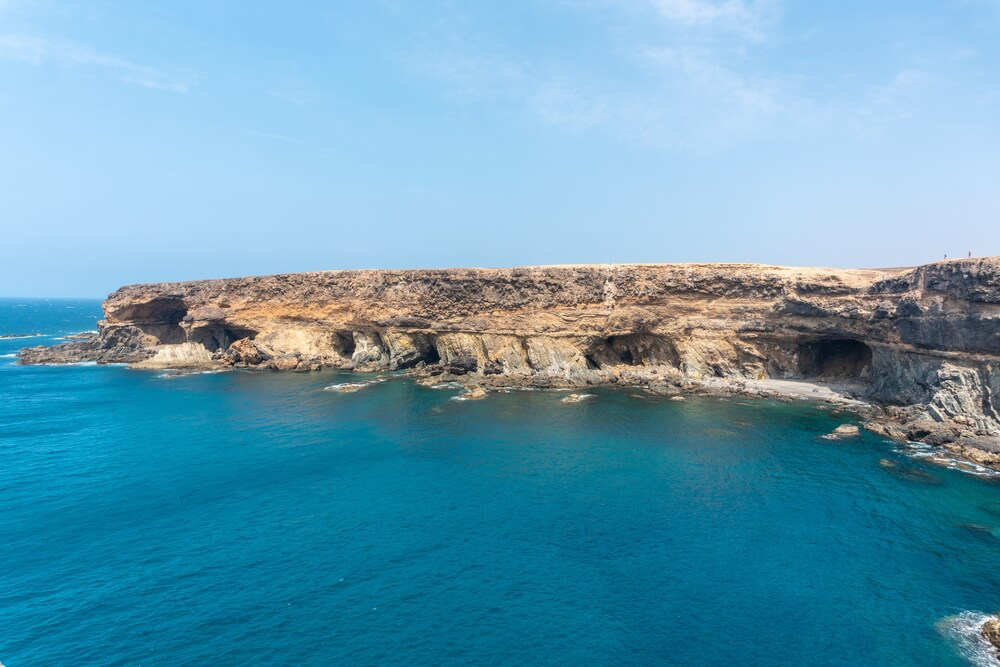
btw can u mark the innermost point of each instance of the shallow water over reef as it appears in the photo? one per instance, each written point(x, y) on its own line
point(241, 518)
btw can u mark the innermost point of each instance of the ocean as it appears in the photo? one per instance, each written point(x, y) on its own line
point(237, 518)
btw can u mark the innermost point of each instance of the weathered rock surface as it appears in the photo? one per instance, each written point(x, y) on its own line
point(991, 631)
point(923, 343)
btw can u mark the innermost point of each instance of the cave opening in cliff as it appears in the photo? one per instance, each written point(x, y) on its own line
point(431, 355)
point(343, 343)
point(219, 337)
point(841, 358)
point(634, 349)
point(160, 318)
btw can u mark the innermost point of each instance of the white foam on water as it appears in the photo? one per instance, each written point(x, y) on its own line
point(346, 387)
point(467, 396)
point(72, 363)
point(349, 387)
point(178, 372)
point(74, 336)
point(508, 390)
point(931, 454)
point(17, 337)
point(577, 398)
point(8, 356)
point(965, 631)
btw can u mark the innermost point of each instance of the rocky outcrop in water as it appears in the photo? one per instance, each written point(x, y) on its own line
point(991, 631)
point(924, 343)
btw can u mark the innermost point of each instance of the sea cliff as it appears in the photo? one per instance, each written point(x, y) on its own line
point(922, 345)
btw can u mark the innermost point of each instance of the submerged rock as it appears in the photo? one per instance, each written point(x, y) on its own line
point(979, 529)
point(906, 472)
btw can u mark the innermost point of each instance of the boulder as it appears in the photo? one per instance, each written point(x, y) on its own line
point(244, 352)
point(842, 431)
point(461, 365)
point(286, 362)
point(991, 631)
point(474, 394)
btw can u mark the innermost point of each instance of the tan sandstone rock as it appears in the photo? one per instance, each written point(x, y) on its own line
point(991, 631)
point(922, 342)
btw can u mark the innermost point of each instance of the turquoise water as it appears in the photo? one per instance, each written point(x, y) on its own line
point(253, 518)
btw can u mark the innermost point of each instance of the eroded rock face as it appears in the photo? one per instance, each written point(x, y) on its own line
point(991, 631)
point(923, 342)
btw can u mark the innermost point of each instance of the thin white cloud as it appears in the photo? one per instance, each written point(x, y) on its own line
point(708, 76)
point(747, 17)
point(688, 101)
point(902, 84)
point(693, 85)
point(39, 51)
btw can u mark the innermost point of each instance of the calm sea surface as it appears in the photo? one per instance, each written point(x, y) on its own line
point(252, 518)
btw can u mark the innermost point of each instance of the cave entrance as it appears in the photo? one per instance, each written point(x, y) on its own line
point(839, 358)
point(343, 343)
point(160, 318)
point(431, 355)
point(219, 337)
point(634, 349)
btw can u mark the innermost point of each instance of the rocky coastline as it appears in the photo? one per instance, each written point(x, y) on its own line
point(916, 351)
point(991, 632)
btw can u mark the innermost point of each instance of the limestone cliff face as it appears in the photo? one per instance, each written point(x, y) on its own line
point(927, 338)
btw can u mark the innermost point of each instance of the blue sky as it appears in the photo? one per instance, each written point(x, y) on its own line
point(167, 141)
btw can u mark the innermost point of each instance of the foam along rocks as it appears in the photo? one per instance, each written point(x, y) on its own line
point(351, 387)
point(843, 431)
point(474, 394)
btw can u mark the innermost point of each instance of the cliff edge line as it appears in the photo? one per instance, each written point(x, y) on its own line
point(922, 343)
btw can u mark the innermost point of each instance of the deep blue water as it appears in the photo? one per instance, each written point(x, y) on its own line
point(253, 518)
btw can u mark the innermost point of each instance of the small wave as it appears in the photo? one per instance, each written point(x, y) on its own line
point(76, 336)
point(931, 454)
point(346, 387)
point(577, 398)
point(965, 630)
point(351, 387)
point(17, 336)
point(179, 372)
point(507, 390)
point(8, 356)
point(472, 394)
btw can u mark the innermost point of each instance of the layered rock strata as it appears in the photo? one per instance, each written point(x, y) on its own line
point(923, 343)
